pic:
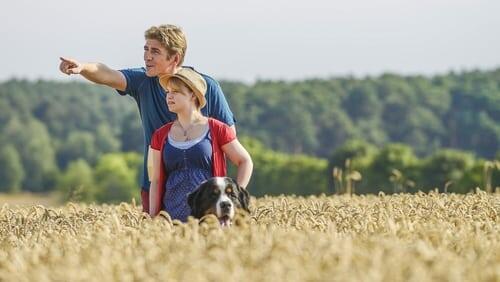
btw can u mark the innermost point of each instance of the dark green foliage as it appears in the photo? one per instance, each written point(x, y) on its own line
point(115, 177)
point(277, 173)
point(360, 155)
point(394, 168)
point(444, 166)
point(458, 111)
point(35, 148)
point(11, 172)
point(45, 126)
point(77, 182)
point(78, 145)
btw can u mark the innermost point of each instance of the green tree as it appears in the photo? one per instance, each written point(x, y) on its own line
point(360, 155)
point(79, 145)
point(77, 182)
point(277, 173)
point(444, 166)
point(337, 129)
point(105, 140)
point(393, 157)
point(131, 133)
point(471, 178)
point(363, 103)
point(116, 178)
point(11, 172)
point(32, 142)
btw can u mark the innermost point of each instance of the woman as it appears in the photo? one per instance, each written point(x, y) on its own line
point(190, 149)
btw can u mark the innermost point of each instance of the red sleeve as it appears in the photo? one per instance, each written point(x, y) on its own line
point(156, 140)
point(226, 134)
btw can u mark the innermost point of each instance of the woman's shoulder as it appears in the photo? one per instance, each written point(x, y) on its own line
point(221, 131)
point(214, 123)
point(165, 127)
point(163, 130)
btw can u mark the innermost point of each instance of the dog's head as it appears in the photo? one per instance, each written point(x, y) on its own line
point(220, 196)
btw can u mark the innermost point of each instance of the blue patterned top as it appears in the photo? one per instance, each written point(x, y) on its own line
point(187, 165)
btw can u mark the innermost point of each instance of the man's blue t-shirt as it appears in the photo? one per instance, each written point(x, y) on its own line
point(150, 98)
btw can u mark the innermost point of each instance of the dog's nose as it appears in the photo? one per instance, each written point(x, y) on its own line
point(225, 205)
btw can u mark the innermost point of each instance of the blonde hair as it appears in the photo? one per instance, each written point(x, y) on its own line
point(178, 85)
point(171, 37)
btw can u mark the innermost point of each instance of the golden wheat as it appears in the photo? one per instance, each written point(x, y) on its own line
point(422, 237)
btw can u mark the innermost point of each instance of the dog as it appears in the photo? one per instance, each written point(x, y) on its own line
point(220, 196)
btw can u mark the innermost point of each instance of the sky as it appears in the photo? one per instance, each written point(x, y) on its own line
point(259, 39)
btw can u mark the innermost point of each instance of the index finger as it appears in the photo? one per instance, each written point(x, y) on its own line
point(66, 60)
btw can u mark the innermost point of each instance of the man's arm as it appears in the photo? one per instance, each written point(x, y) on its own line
point(96, 72)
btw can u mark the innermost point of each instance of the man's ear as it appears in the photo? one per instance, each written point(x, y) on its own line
point(177, 58)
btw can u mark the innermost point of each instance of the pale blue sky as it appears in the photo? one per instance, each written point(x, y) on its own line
point(247, 40)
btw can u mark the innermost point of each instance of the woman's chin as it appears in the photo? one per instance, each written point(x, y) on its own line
point(172, 108)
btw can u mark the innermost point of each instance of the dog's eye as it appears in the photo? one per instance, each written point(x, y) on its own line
point(215, 192)
point(229, 190)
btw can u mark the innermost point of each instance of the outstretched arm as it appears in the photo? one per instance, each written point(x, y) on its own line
point(95, 72)
point(239, 156)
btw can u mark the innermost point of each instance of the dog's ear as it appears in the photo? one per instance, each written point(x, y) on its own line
point(243, 196)
point(193, 202)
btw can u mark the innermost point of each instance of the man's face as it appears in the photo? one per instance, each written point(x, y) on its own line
point(156, 59)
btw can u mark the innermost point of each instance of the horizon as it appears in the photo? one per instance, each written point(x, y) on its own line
point(79, 79)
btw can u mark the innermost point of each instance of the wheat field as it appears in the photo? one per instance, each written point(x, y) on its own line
point(422, 237)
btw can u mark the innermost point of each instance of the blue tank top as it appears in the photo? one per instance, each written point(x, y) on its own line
point(187, 165)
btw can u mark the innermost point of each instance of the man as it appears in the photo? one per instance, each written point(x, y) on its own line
point(164, 53)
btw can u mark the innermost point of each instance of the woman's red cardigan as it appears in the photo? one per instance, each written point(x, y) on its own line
point(221, 135)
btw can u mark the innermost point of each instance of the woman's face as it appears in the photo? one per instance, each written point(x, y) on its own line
point(179, 98)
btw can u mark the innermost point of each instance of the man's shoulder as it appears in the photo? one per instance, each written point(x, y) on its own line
point(136, 71)
point(210, 80)
point(137, 77)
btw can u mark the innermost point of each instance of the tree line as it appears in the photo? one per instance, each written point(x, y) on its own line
point(298, 131)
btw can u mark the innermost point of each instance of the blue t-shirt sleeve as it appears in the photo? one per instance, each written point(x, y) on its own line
point(135, 77)
point(218, 107)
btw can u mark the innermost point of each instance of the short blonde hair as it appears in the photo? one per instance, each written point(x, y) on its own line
point(171, 37)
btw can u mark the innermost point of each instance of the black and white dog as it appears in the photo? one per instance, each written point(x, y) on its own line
point(220, 196)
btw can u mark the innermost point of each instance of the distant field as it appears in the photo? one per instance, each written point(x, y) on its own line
point(29, 199)
point(423, 237)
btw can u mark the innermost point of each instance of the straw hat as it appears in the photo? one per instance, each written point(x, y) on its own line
point(192, 79)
